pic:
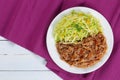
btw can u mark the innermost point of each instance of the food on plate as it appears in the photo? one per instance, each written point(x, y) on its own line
point(79, 39)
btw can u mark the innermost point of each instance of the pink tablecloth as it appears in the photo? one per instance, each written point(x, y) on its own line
point(25, 22)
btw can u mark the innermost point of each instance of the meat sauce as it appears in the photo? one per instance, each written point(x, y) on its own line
point(84, 53)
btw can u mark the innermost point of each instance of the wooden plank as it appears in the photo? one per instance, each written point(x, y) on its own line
point(30, 75)
point(14, 57)
point(22, 62)
point(2, 38)
point(9, 48)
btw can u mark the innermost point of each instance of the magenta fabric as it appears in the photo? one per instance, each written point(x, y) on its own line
point(25, 22)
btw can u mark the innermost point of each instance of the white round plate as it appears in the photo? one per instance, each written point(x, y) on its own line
point(107, 31)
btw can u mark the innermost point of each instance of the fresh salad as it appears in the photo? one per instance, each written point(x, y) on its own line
point(75, 26)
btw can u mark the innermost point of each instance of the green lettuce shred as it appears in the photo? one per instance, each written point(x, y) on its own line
point(75, 26)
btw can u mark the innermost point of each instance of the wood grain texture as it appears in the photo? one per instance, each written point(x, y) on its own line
point(14, 57)
point(17, 63)
point(22, 62)
point(1, 38)
point(29, 75)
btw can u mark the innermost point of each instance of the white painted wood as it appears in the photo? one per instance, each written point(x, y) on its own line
point(30, 75)
point(14, 57)
point(9, 48)
point(2, 38)
point(17, 63)
point(22, 62)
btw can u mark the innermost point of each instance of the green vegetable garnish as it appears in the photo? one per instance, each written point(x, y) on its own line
point(75, 26)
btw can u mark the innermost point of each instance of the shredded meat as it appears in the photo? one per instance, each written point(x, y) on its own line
point(84, 53)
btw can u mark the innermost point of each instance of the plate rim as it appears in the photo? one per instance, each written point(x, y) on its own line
point(63, 13)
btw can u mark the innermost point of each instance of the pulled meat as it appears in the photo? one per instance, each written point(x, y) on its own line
point(85, 53)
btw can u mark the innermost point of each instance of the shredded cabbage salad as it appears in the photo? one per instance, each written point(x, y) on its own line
point(75, 26)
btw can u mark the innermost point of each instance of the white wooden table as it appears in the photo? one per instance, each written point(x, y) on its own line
point(17, 63)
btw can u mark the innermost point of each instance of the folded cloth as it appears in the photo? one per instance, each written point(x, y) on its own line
point(25, 22)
